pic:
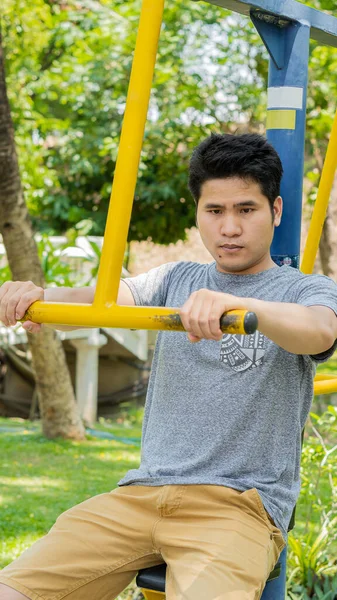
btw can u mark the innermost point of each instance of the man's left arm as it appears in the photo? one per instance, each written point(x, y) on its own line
point(295, 328)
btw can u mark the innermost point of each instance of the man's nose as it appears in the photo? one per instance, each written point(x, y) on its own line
point(230, 226)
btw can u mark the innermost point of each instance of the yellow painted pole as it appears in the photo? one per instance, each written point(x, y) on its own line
point(130, 317)
point(324, 377)
point(153, 595)
point(325, 387)
point(321, 204)
point(130, 146)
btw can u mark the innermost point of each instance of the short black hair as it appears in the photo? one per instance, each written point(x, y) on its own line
point(248, 156)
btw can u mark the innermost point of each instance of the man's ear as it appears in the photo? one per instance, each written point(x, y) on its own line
point(278, 209)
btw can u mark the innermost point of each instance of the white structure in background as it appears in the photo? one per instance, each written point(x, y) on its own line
point(89, 343)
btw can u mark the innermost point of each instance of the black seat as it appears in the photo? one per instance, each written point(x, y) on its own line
point(153, 578)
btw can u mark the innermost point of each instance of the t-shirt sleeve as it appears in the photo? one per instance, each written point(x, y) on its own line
point(318, 290)
point(150, 289)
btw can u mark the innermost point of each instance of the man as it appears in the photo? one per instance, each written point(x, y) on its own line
point(221, 445)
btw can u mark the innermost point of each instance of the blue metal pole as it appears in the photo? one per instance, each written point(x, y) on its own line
point(287, 95)
point(288, 46)
point(323, 25)
point(276, 589)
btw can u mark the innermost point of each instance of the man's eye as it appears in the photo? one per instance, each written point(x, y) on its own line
point(215, 211)
point(246, 210)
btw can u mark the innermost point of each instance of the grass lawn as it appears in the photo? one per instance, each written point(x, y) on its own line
point(320, 405)
point(41, 478)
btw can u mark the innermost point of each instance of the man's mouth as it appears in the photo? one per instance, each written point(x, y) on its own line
point(231, 247)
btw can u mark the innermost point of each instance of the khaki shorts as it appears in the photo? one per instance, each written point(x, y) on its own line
point(218, 543)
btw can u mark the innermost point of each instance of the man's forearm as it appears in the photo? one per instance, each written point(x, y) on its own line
point(84, 295)
point(293, 327)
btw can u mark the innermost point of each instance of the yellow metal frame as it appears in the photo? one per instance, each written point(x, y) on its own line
point(104, 312)
point(152, 594)
point(321, 204)
point(324, 384)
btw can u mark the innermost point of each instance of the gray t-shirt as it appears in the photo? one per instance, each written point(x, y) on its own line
point(230, 412)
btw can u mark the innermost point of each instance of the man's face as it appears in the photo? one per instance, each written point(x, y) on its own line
point(235, 224)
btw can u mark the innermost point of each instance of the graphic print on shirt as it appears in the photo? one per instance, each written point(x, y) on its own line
point(243, 352)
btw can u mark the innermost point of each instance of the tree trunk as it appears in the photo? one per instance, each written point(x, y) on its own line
point(59, 412)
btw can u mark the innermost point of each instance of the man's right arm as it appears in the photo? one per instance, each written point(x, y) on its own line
point(17, 296)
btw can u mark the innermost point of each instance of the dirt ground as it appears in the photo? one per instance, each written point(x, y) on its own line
point(146, 255)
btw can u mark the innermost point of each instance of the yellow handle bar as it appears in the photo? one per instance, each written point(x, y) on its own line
point(130, 317)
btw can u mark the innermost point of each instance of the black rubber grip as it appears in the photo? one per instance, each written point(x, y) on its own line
point(250, 322)
point(235, 322)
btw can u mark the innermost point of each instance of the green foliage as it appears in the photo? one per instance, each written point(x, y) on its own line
point(325, 5)
point(320, 588)
point(67, 74)
point(321, 105)
point(312, 564)
point(68, 67)
point(55, 269)
point(5, 272)
point(311, 554)
point(58, 268)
